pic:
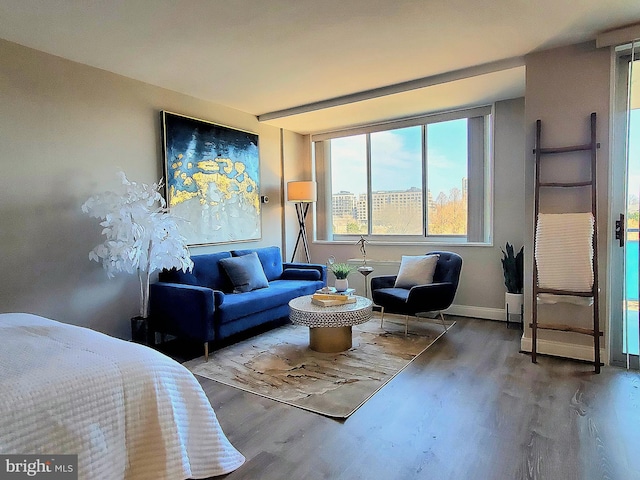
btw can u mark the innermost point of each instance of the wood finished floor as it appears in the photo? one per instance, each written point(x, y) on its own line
point(470, 407)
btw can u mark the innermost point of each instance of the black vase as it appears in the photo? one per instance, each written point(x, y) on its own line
point(141, 332)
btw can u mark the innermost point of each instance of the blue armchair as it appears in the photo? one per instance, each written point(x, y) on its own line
point(420, 299)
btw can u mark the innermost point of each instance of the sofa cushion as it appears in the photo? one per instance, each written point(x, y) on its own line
point(394, 299)
point(280, 292)
point(270, 257)
point(206, 273)
point(245, 272)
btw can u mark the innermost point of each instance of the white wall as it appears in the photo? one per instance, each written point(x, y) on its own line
point(563, 87)
point(65, 129)
point(296, 168)
point(481, 290)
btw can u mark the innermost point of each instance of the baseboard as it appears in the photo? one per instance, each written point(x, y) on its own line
point(545, 347)
point(560, 349)
point(478, 312)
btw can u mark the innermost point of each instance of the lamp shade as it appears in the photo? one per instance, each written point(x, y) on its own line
point(302, 192)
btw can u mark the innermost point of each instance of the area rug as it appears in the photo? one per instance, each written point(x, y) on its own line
point(279, 365)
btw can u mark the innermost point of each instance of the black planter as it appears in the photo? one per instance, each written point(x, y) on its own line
point(141, 331)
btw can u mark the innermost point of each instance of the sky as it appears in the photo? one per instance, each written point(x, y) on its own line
point(633, 172)
point(396, 159)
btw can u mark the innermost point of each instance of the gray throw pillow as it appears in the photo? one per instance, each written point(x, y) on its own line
point(245, 272)
point(416, 270)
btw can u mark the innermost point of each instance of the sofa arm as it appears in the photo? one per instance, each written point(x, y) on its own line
point(433, 296)
point(299, 267)
point(184, 310)
point(385, 281)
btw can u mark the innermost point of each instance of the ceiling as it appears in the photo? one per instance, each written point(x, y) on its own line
point(262, 56)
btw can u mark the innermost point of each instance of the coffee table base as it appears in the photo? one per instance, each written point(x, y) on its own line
point(330, 339)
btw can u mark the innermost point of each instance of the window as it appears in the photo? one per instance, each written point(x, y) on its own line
point(422, 179)
point(348, 184)
point(396, 182)
point(447, 173)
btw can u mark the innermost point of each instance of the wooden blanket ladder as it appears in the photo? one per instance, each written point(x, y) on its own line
point(540, 152)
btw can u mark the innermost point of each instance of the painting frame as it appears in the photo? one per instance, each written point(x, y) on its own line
point(212, 180)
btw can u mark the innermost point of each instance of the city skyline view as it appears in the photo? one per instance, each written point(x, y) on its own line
point(400, 212)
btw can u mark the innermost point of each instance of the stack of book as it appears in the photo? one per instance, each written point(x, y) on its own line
point(329, 297)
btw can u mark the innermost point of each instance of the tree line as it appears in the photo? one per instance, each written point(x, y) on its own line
point(447, 215)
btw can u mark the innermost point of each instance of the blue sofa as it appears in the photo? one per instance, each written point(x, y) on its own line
point(200, 305)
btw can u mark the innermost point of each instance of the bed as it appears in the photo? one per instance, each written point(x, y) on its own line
point(128, 411)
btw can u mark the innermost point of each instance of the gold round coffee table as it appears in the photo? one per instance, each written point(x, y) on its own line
point(329, 327)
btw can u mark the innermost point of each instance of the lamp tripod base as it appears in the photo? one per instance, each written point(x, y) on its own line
point(301, 211)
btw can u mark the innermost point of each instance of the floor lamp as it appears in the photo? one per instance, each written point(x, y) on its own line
point(302, 194)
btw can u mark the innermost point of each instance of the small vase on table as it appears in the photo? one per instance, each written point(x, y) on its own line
point(341, 284)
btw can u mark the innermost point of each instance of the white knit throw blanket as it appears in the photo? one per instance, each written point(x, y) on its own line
point(564, 251)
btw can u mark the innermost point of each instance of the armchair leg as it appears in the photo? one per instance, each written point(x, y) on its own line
point(381, 316)
point(206, 351)
point(406, 325)
point(442, 320)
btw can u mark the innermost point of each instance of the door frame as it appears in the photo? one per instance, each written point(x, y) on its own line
point(618, 203)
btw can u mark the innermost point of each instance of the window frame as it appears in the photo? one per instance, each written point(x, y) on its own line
point(482, 232)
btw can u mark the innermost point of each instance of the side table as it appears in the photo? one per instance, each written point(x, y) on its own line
point(521, 316)
point(329, 327)
point(365, 270)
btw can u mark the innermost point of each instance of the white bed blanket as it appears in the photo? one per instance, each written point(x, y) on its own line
point(128, 411)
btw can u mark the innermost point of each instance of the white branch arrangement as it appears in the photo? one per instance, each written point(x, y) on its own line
point(141, 235)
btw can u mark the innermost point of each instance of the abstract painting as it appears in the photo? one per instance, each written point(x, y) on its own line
point(212, 179)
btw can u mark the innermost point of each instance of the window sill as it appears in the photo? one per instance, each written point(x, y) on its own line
point(430, 243)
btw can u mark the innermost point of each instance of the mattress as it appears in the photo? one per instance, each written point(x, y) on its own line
point(127, 411)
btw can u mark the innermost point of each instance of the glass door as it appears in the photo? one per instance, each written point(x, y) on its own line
point(625, 319)
point(631, 332)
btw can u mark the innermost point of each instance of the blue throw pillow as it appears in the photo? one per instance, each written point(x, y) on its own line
point(245, 272)
point(270, 257)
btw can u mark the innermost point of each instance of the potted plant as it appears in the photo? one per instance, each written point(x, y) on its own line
point(513, 269)
point(141, 236)
point(341, 272)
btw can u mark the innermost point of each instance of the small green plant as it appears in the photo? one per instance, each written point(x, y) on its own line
point(513, 268)
point(341, 270)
